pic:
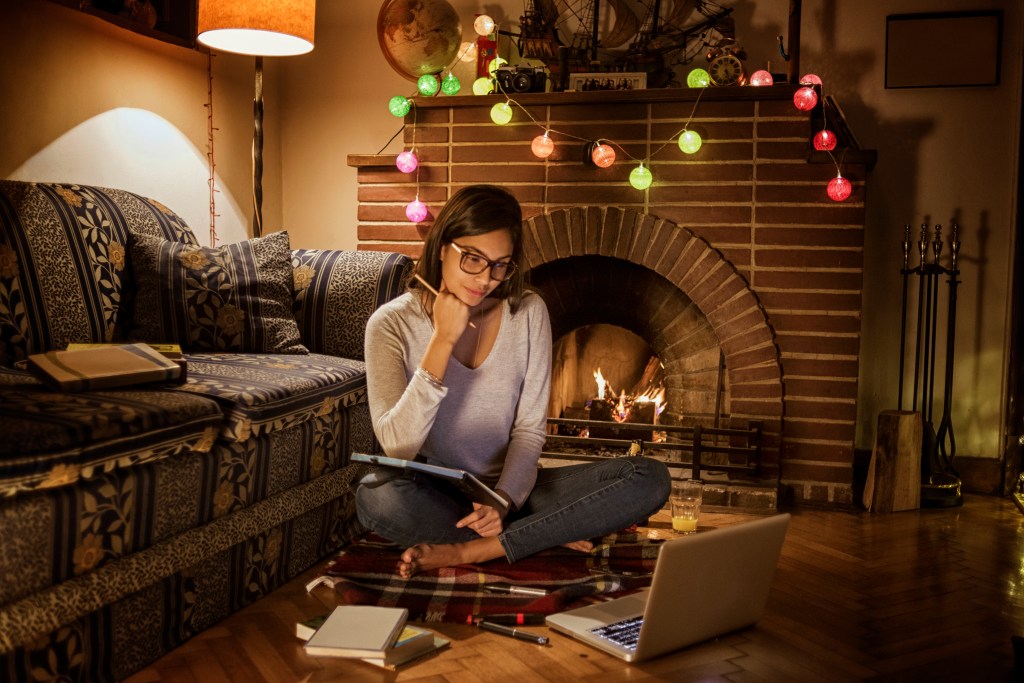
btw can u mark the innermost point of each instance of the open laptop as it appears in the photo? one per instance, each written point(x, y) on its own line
point(704, 585)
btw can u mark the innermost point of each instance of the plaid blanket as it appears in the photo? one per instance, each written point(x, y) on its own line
point(364, 574)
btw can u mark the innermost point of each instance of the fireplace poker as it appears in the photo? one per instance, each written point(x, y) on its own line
point(922, 251)
point(903, 310)
point(946, 424)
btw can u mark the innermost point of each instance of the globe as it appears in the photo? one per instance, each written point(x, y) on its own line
point(418, 36)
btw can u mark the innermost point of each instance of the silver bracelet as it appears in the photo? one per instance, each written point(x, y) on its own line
point(429, 376)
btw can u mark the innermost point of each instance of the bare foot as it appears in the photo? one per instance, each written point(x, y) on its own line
point(582, 546)
point(426, 556)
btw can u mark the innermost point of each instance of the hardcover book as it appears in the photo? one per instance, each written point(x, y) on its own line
point(394, 660)
point(358, 631)
point(104, 367)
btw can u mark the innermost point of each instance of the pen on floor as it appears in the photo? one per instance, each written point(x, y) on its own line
point(511, 619)
point(434, 291)
point(514, 590)
point(513, 632)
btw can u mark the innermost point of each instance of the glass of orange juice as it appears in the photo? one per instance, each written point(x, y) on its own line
point(686, 499)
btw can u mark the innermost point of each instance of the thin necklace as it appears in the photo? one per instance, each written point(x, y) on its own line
point(479, 333)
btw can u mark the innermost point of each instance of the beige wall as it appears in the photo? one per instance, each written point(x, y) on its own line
point(85, 101)
point(81, 96)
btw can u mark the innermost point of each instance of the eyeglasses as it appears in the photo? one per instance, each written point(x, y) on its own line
point(474, 264)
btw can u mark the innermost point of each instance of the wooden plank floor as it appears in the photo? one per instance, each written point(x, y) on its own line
point(928, 595)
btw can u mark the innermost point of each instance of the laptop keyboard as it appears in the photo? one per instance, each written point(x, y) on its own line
point(625, 633)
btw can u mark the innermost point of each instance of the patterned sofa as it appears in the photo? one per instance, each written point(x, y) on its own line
point(132, 519)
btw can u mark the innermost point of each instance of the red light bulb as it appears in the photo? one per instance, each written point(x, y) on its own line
point(824, 140)
point(805, 98)
point(839, 189)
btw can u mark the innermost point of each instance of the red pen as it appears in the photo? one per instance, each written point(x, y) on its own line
point(513, 619)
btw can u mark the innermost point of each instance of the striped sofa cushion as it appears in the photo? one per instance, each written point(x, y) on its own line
point(232, 298)
point(53, 439)
point(262, 393)
point(63, 265)
point(337, 291)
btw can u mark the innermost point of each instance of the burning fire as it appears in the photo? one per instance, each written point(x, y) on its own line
point(601, 384)
point(625, 404)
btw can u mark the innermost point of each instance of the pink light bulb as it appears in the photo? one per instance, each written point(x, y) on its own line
point(542, 146)
point(761, 78)
point(810, 79)
point(805, 98)
point(603, 156)
point(416, 210)
point(839, 188)
point(824, 140)
point(407, 162)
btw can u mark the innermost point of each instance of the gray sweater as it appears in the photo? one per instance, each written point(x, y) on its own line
point(490, 420)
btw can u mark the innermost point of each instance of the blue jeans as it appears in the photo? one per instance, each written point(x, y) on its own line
point(571, 503)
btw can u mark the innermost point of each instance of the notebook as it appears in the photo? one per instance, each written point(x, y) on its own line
point(704, 585)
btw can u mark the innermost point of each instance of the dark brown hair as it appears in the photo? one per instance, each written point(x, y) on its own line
point(475, 210)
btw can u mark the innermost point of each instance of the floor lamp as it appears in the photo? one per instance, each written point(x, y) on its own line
point(262, 28)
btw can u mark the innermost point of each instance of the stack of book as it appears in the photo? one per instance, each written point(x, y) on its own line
point(377, 635)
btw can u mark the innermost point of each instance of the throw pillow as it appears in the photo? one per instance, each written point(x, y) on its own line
point(234, 298)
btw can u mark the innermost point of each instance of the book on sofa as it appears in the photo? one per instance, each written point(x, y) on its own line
point(104, 367)
point(475, 489)
point(172, 351)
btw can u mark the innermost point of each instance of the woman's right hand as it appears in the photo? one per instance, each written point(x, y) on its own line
point(450, 315)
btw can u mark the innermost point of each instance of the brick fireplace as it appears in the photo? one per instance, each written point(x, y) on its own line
point(734, 254)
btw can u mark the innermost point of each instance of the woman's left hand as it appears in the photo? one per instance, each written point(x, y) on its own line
point(484, 520)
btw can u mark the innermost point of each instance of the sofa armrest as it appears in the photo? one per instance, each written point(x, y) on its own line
point(336, 291)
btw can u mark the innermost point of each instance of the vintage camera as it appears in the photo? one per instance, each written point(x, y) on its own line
point(520, 78)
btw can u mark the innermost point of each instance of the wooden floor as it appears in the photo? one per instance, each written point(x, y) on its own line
point(929, 595)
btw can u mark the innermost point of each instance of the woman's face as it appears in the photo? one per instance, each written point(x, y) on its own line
point(471, 289)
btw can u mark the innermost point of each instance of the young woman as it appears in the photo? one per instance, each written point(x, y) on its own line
point(461, 379)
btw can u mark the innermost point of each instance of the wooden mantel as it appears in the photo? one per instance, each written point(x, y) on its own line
point(609, 98)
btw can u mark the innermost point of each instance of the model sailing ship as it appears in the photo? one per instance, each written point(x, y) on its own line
point(649, 36)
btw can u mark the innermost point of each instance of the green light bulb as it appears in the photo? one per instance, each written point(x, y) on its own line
point(501, 113)
point(399, 106)
point(698, 78)
point(495, 63)
point(640, 177)
point(690, 141)
point(450, 85)
point(428, 85)
point(483, 86)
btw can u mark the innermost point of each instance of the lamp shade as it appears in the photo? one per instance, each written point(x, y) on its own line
point(271, 28)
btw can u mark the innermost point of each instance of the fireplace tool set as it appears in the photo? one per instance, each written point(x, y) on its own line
point(940, 482)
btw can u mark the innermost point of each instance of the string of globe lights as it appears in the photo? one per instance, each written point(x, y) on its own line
point(602, 150)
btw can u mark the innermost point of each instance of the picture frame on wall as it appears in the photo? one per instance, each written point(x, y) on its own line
point(172, 21)
point(608, 81)
point(943, 49)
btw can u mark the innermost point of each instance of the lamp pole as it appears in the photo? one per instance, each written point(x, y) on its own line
point(257, 152)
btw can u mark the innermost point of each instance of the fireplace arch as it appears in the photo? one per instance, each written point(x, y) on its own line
point(692, 289)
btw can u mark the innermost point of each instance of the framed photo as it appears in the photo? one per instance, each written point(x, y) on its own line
point(943, 49)
point(608, 81)
point(173, 21)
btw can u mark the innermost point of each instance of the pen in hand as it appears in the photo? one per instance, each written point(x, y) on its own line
point(513, 632)
point(434, 291)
